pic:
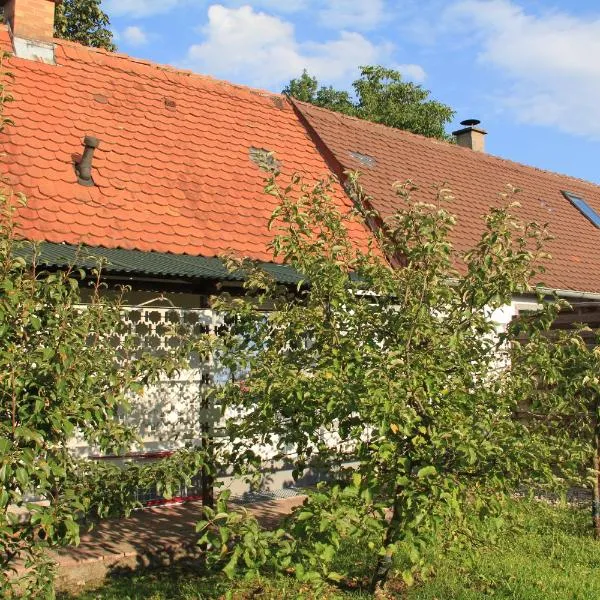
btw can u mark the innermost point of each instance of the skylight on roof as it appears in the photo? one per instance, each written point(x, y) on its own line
point(584, 208)
point(363, 159)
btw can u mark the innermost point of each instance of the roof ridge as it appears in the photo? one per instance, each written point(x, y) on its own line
point(360, 120)
point(447, 146)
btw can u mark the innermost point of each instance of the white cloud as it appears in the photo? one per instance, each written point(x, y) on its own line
point(241, 43)
point(354, 14)
point(414, 72)
point(550, 61)
point(135, 36)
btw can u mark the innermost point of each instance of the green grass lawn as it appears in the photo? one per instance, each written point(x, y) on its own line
point(549, 555)
point(553, 557)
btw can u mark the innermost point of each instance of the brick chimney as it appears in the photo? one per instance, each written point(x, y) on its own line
point(471, 136)
point(31, 24)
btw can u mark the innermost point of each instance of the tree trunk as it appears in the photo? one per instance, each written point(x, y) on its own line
point(384, 564)
point(206, 478)
point(596, 468)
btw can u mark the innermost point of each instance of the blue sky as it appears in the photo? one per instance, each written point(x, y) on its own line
point(528, 69)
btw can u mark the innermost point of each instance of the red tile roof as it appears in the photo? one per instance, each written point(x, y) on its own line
point(172, 173)
point(476, 180)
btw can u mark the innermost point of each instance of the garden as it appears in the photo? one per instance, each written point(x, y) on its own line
point(389, 376)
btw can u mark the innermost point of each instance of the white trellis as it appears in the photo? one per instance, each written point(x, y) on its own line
point(175, 411)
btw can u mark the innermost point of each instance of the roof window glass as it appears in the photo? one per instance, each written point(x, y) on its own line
point(584, 208)
point(363, 159)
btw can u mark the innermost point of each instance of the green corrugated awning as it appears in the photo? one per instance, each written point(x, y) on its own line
point(151, 264)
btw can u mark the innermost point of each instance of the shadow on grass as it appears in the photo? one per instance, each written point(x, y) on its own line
point(181, 580)
point(186, 581)
point(181, 576)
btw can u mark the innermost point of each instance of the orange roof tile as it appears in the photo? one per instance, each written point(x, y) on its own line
point(173, 171)
point(476, 180)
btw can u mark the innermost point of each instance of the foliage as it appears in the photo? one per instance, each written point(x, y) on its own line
point(393, 380)
point(235, 541)
point(565, 373)
point(543, 553)
point(381, 97)
point(233, 537)
point(85, 22)
point(62, 378)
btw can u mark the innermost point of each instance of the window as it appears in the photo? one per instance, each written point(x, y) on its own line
point(364, 159)
point(584, 208)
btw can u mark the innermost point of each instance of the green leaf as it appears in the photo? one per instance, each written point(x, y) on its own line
point(230, 568)
point(35, 322)
point(4, 446)
point(408, 578)
point(201, 525)
point(426, 472)
point(304, 515)
point(29, 435)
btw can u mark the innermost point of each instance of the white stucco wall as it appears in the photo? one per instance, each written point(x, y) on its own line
point(503, 316)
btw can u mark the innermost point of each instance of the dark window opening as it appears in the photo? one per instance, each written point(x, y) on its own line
point(583, 207)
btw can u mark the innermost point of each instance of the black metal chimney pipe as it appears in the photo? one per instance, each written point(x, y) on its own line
point(84, 168)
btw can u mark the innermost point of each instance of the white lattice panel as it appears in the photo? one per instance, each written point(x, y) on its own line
point(172, 412)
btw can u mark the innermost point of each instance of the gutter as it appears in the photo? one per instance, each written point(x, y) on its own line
point(595, 296)
point(571, 294)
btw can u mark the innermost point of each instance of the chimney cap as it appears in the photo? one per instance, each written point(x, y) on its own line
point(91, 141)
point(469, 126)
point(470, 122)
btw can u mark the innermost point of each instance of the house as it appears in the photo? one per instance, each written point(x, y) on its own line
point(155, 170)
point(570, 206)
point(385, 155)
